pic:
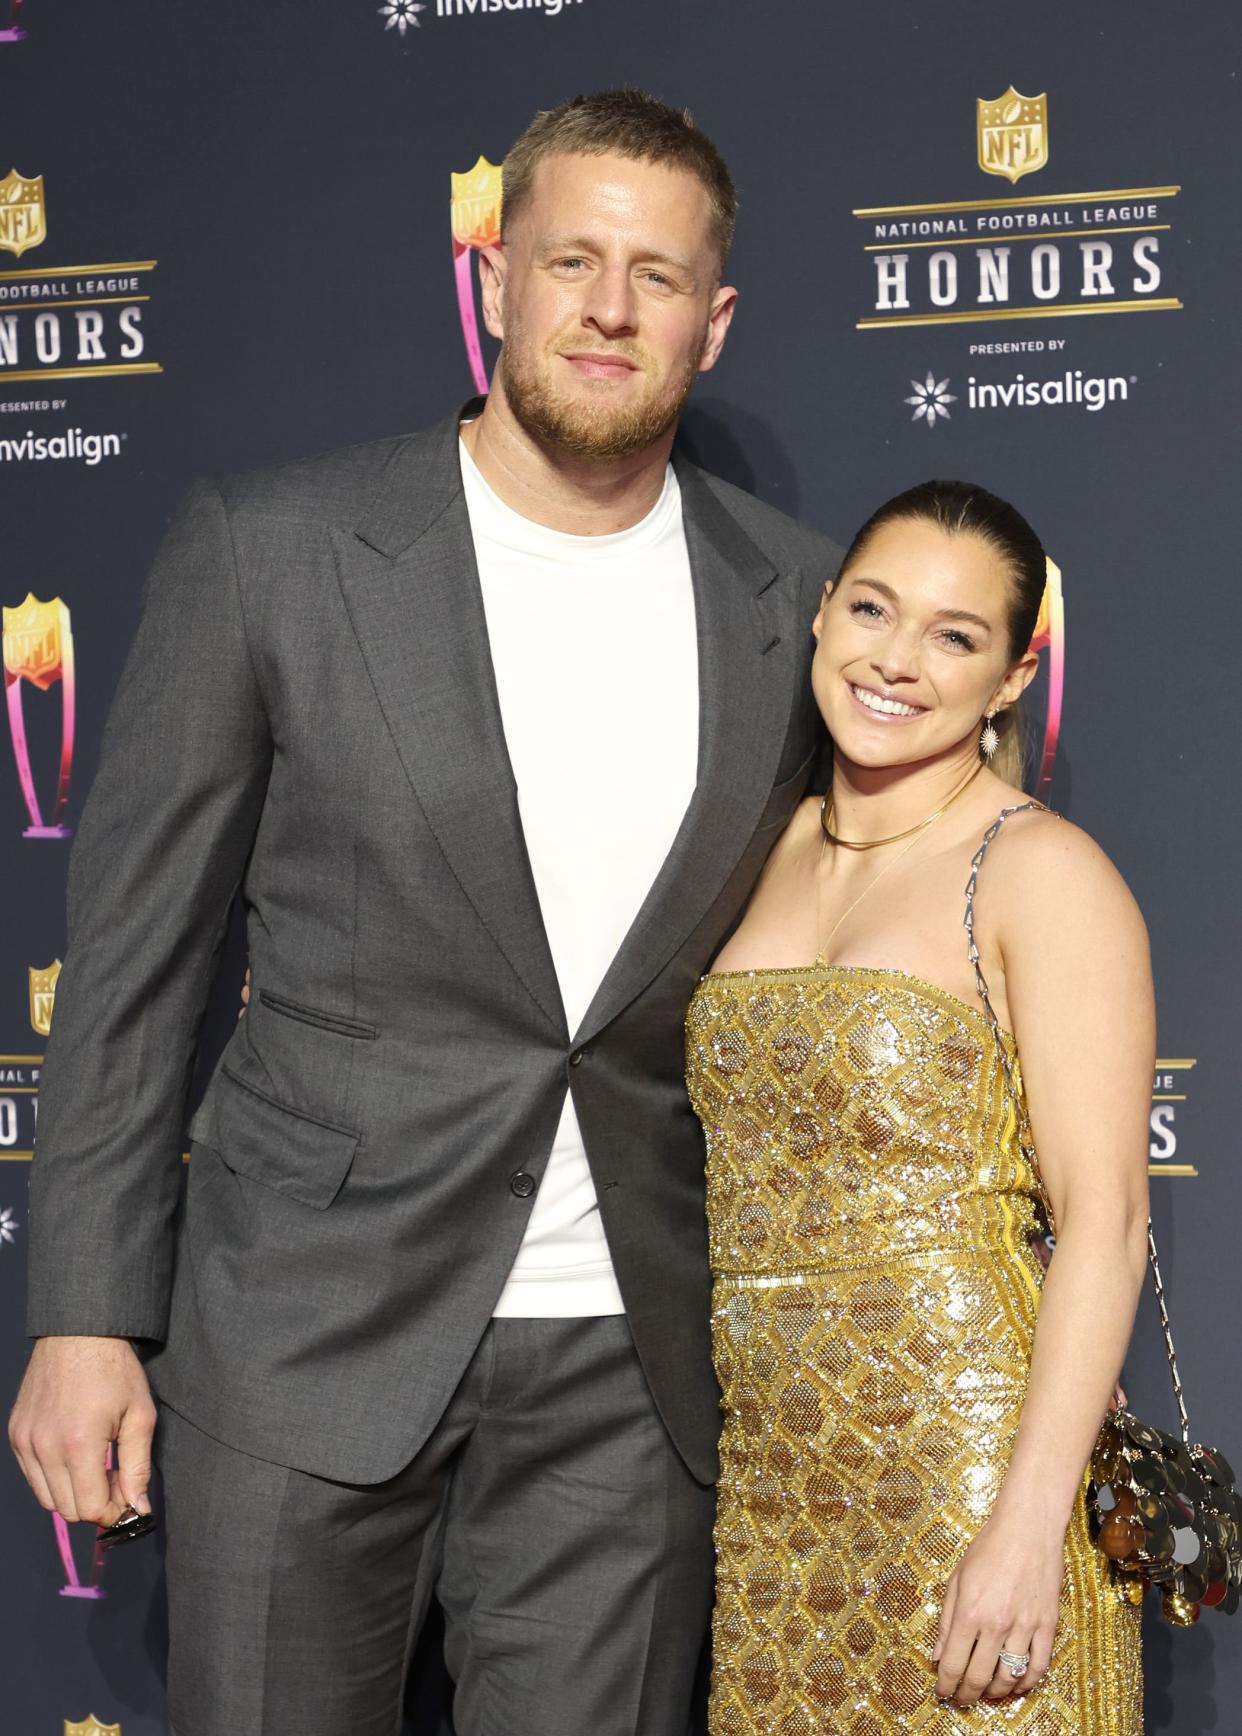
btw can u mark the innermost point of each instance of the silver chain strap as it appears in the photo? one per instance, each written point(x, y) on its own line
point(1154, 1262)
point(1017, 1099)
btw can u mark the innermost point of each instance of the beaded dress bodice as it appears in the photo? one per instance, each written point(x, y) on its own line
point(849, 1111)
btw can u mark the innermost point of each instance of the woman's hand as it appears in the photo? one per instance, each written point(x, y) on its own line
point(1003, 1595)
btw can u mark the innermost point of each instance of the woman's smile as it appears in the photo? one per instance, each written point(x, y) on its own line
point(882, 706)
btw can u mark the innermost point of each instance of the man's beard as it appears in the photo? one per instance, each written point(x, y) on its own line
point(584, 430)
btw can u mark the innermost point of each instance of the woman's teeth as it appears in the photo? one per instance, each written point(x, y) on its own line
point(891, 707)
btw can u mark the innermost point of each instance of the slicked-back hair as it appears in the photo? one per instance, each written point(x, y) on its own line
point(627, 123)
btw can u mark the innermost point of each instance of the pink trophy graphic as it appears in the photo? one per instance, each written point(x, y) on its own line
point(38, 648)
point(476, 223)
point(1050, 633)
point(73, 1586)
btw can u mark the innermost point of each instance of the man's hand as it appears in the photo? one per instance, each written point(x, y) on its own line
point(78, 1395)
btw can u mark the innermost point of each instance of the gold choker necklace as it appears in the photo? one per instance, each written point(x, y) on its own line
point(826, 815)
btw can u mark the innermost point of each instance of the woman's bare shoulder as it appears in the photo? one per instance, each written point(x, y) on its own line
point(1043, 869)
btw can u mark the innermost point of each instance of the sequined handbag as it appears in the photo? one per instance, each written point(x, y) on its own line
point(1164, 1511)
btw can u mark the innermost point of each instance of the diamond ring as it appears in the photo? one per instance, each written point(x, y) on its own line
point(1016, 1663)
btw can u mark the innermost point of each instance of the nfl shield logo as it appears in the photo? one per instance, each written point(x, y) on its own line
point(36, 636)
point(1013, 134)
point(43, 997)
point(23, 215)
point(475, 209)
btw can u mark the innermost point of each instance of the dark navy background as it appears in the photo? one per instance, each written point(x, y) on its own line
point(287, 165)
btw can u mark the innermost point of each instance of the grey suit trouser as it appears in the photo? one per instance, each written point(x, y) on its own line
point(549, 1513)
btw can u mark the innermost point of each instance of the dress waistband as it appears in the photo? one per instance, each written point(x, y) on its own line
point(926, 1258)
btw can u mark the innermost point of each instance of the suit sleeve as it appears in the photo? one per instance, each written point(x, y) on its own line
point(160, 851)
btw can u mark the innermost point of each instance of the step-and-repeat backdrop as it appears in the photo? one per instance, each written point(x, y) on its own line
point(990, 242)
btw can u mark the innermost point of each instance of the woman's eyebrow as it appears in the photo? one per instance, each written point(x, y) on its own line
point(941, 614)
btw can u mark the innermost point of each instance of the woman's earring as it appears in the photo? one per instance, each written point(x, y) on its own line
point(989, 741)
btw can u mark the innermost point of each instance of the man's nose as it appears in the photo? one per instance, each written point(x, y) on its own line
point(609, 304)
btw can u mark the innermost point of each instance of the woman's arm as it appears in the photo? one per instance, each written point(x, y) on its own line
point(1069, 938)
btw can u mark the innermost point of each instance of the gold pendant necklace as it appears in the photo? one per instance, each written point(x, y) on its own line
point(851, 908)
point(826, 814)
point(914, 834)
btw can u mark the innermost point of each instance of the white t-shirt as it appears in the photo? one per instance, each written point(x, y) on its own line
point(596, 660)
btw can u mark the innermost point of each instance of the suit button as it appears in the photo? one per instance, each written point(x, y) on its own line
point(575, 1060)
point(522, 1185)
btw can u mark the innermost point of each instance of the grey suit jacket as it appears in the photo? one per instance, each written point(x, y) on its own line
point(309, 714)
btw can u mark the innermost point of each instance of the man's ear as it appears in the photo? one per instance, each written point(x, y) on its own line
point(719, 319)
point(492, 268)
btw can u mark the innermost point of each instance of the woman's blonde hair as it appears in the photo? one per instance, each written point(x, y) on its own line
point(1009, 760)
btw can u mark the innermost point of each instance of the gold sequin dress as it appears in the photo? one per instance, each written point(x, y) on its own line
point(875, 1296)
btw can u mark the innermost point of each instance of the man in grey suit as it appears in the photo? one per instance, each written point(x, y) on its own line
point(491, 728)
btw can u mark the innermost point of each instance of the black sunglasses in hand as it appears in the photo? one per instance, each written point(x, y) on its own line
point(128, 1528)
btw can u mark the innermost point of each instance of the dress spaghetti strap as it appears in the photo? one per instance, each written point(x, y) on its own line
point(1013, 1091)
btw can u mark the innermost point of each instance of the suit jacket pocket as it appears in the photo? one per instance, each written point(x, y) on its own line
point(277, 1145)
point(314, 1016)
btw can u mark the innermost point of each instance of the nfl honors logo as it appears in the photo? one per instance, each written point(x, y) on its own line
point(43, 997)
point(1013, 134)
point(475, 209)
point(91, 1727)
point(37, 641)
point(475, 217)
point(23, 214)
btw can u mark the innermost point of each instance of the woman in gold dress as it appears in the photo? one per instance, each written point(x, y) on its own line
point(876, 1057)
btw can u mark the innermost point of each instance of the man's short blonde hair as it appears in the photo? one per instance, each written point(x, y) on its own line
point(629, 123)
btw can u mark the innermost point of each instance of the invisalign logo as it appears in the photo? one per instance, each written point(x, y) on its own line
point(1071, 387)
point(89, 449)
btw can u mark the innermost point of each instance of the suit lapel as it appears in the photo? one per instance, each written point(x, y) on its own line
point(411, 587)
point(748, 646)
